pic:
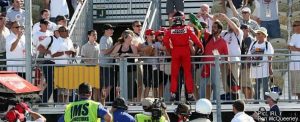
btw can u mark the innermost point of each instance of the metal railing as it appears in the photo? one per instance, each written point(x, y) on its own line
point(81, 22)
point(60, 81)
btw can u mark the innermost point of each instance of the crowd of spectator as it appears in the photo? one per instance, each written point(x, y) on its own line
point(245, 34)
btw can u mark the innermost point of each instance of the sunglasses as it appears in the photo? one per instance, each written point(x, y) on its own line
point(150, 35)
point(17, 27)
point(259, 33)
point(245, 12)
point(138, 26)
point(63, 30)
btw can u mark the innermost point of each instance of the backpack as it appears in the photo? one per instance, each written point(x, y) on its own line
point(256, 42)
point(257, 58)
point(42, 55)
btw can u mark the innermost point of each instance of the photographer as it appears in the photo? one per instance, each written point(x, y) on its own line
point(183, 112)
point(154, 110)
point(118, 110)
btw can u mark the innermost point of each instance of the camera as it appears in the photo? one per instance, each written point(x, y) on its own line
point(157, 107)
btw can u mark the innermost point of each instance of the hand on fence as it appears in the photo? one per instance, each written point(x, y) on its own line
point(69, 52)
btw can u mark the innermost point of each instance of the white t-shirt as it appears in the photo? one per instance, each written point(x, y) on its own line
point(38, 34)
point(59, 7)
point(3, 35)
point(46, 43)
point(59, 46)
point(260, 70)
point(295, 41)
point(233, 46)
point(105, 43)
point(18, 53)
point(242, 117)
point(16, 15)
point(36, 27)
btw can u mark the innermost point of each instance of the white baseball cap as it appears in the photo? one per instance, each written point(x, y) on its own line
point(246, 9)
point(262, 30)
point(273, 95)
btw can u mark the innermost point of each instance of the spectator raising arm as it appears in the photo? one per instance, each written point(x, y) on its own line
point(230, 24)
point(233, 9)
point(15, 43)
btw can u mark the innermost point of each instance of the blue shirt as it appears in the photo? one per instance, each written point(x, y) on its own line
point(121, 116)
point(101, 113)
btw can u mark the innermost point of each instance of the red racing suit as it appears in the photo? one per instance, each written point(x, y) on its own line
point(179, 37)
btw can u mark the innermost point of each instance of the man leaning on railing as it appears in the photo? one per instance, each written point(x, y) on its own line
point(63, 49)
point(294, 47)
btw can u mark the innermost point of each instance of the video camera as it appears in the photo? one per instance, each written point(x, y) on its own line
point(156, 108)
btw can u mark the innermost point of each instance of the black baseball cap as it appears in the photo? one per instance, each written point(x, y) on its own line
point(108, 26)
point(60, 17)
point(244, 26)
point(44, 21)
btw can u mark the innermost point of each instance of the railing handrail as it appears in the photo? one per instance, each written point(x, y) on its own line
point(145, 24)
point(75, 16)
point(151, 57)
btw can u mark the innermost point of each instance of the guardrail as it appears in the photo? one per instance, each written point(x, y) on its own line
point(122, 77)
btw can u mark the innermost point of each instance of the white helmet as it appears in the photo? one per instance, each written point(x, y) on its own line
point(203, 106)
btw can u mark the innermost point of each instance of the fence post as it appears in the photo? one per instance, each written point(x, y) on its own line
point(218, 87)
point(290, 3)
point(90, 16)
point(158, 13)
point(123, 78)
point(28, 16)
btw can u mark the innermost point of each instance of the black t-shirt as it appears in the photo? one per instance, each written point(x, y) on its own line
point(246, 45)
point(130, 60)
point(274, 113)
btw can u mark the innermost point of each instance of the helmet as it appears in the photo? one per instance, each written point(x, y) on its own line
point(276, 89)
point(120, 103)
point(182, 109)
point(178, 18)
point(203, 106)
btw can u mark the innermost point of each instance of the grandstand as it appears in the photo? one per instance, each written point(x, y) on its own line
point(152, 13)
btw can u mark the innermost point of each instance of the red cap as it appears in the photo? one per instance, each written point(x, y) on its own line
point(21, 107)
point(12, 115)
point(159, 32)
point(149, 32)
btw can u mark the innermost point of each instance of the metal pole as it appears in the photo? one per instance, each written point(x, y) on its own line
point(218, 81)
point(123, 78)
point(28, 20)
point(90, 16)
point(158, 15)
point(130, 7)
point(290, 3)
